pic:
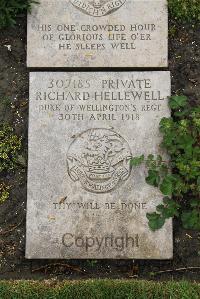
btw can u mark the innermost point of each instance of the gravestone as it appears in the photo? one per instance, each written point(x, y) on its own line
point(102, 33)
point(84, 199)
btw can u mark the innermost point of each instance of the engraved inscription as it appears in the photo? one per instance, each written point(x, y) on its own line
point(99, 159)
point(98, 8)
point(96, 243)
point(84, 199)
point(98, 33)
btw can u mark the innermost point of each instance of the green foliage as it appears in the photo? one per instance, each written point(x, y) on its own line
point(136, 161)
point(156, 221)
point(98, 289)
point(9, 9)
point(92, 263)
point(191, 219)
point(168, 209)
point(181, 140)
point(178, 179)
point(4, 192)
point(10, 145)
point(177, 102)
point(185, 10)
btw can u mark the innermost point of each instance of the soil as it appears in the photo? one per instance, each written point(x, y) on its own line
point(184, 64)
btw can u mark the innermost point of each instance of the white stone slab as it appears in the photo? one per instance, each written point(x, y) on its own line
point(84, 200)
point(117, 33)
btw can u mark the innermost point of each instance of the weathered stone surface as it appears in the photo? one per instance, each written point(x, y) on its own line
point(84, 200)
point(83, 33)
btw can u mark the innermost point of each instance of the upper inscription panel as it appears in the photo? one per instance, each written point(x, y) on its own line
point(98, 33)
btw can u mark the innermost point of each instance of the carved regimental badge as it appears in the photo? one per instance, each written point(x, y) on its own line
point(99, 159)
point(98, 8)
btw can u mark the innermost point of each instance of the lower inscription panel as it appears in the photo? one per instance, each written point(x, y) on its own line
point(84, 199)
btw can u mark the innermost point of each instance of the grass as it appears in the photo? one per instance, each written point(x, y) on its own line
point(185, 10)
point(10, 146)
point(99, 289)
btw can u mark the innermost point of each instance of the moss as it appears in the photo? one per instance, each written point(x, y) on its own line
point(10, 146)
point(4, 192)
point(172, 31)
point(185, 10)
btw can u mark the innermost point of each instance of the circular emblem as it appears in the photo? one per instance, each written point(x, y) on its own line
point(98, 8)
point(99, 159)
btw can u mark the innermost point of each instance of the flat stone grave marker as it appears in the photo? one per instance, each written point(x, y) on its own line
point(102, 33)
point(84, 199)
